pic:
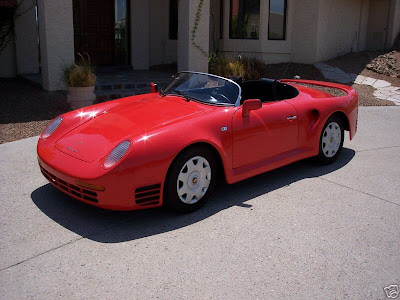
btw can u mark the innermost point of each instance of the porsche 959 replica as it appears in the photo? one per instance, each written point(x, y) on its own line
point(169, 146)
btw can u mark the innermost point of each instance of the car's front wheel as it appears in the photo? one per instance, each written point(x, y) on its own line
point(190, 180)
point(331, 140)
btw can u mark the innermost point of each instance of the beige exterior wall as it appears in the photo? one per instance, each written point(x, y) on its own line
point(140, 28)
point(271, 51)
point(26, 39)
point(162, 49)
point(56, 40)
point(189, 57)
point(315, 30)
point(305, 20)
point(338, 27)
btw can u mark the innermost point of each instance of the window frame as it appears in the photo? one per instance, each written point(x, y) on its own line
point(230, 24)
point(284, 22)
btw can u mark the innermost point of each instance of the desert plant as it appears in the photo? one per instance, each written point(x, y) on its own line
point(227, 67)
point(254, 68)
point(74, 75)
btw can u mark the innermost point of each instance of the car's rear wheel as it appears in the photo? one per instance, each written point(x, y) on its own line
point(190, 180)
point(331, 140)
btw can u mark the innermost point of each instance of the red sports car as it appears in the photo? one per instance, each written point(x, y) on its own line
point(168, 147)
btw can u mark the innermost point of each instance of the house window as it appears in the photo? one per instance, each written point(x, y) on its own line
point(173, 19)
point(277, 20)
point(244, 20)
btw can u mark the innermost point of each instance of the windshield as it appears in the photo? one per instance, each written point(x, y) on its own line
point(203, 87)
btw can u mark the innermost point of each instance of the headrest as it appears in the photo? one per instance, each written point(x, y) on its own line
point(268, 80)
point(236, 79)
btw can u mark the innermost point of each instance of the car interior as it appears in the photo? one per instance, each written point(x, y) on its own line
point(265, 89)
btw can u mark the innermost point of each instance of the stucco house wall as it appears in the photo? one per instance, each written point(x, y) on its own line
point(304, 43)
point(315, 30)
point(56, 40)
point(162, 49)
point(271, 51)
point(338, 27)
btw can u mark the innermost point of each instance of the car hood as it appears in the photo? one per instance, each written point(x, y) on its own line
point(141, 115)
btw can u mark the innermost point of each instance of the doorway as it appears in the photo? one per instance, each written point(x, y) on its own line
point(377, 24)
point(101, 30)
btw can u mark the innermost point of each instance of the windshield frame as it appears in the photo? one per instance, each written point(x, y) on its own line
point(237, 103)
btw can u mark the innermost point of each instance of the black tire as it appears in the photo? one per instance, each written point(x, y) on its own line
point(171, 198)
point(328, 152)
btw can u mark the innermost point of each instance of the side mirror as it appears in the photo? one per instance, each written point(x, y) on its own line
point(153, 87)
point(249, 105)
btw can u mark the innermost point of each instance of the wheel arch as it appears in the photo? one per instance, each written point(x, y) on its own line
point(343, 117)
point(209, 146)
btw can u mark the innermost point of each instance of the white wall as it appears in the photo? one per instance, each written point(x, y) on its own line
point(56, 32)
point(140, 43)
point(304, 30)
point(162, 49)
point(190, 57)
point(363, 29)
point(299, 46)
point(338, 27)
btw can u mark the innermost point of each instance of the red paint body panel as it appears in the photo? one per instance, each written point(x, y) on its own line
point(159, 128)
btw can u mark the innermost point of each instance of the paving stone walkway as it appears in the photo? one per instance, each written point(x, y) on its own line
point(383, 89)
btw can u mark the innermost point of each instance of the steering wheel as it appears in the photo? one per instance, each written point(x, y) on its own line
point(225, 99)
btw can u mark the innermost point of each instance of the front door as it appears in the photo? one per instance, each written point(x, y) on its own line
point(266, 132)
point(94, 30)
point(377, 24)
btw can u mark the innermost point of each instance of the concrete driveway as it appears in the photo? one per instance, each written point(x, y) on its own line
point(300, 232)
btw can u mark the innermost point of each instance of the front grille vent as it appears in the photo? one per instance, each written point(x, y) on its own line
point(148, 195)
point(68, 188)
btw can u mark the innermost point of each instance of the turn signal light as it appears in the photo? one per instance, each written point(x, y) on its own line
point(89, 186)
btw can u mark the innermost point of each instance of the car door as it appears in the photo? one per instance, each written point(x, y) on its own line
point(266, 132)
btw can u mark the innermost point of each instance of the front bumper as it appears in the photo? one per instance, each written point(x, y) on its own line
point(122, 190)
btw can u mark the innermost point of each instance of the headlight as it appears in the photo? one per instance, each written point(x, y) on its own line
point(51, 128)
point(116, 154)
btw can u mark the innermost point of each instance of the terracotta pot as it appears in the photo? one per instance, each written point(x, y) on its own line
point(79, 97)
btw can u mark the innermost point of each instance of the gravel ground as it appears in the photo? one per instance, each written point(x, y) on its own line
point(26, 109)
point(356, 63)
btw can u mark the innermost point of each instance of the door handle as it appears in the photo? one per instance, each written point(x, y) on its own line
point(291, 118)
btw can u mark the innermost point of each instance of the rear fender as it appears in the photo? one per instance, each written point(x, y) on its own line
point(325, 107)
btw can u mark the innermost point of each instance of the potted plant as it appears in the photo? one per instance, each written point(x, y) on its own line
point(80, 80)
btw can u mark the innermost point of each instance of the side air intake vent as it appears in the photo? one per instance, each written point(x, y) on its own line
point(148, 195)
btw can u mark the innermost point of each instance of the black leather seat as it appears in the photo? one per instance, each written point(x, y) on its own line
point(264, 89)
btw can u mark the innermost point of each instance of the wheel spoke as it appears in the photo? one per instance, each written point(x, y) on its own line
point(189, 197)
point(199, 193)
point(190, 165)
point(183, 190)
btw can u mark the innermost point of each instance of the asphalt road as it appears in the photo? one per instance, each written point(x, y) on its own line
point(300, 232)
